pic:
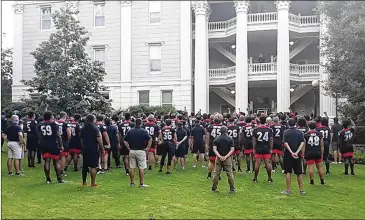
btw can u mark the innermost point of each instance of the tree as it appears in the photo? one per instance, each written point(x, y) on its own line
point(344, 47)
point(66, 78)
point(6, 76)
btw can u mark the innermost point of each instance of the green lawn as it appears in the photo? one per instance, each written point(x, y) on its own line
point(184, 194)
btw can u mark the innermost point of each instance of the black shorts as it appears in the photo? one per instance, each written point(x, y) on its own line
point(65, 146)
point(160, 149)
point(124, 150)
point(180, 151)
point(248, 146)
point(291, 164)
point(198, 147)
point(91, 160)
point(186, 148)
point(277, 146)
point(53, 150)
point(313, 155)
point(211, 153)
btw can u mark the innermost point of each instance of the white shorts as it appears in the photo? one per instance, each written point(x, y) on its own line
point(14, 150)
point(137, 158)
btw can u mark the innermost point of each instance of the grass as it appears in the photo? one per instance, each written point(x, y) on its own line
point(184, 194)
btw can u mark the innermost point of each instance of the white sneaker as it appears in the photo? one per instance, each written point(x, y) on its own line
point(203, 166)
point(340, 162)
point(194, 166)
point(334, 162)
point(273, 171)
point(143, 185)
point(283, 171)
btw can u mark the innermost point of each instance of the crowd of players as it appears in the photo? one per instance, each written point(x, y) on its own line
point(256, 138)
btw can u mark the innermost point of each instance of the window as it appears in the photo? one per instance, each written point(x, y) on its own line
point(105, 94)
point(46, 18)
point(99, 14)
point(155, 58)
point(155, 11)
point(99, 54)
point(166, 98)
point(144, 97)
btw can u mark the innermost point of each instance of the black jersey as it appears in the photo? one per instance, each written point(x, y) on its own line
point(326, 134)
point(234, 132)
point(102, 129)
point(248, 132)
point(63, 126)
point(168, 134)
point(31, 129)
point(304, 129)
point(262, 135)
point(278, 133)
point(313, 144)
point(124, 127)
point(49, 132)
point(75, 141)
point(152, 129)
point(346, 139)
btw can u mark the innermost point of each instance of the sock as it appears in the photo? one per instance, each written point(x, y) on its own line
point(327, 166)
point(352, 167)
point(149, 167)
point(322, 181)
point(209, 174)
point(126, 171)
point(312, 181)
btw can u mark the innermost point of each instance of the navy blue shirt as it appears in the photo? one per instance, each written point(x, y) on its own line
point(12, 132)
point(112, 133)
point(137, 138)
point(294, 138)
point(3, 124)
point(198, 132)
point(89, 134)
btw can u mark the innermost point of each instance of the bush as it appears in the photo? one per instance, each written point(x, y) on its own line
point(137, 110)
point(359, 158)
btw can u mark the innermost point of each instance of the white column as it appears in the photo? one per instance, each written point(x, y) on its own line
point(283, 58)
point(326, 103)
point(201, 79)
point(186, 55)
point(126, 53)
point(241, 56)
point(18, 45)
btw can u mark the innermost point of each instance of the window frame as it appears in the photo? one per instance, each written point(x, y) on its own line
point(96, 3)
point(166, 104)
point(100, 47)
point(139, 97)
point(41, 7)
point(149, 59)
point(153, 11)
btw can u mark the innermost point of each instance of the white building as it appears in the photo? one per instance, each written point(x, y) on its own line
point(198, 54)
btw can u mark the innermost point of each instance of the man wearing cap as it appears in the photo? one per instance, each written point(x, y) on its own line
point(14, 135)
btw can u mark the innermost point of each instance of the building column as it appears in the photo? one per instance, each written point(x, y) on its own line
point(186, 55)
point(326, 103)
point(126, 53)
point(201, 78)
point(283, 58)
point(241, 95)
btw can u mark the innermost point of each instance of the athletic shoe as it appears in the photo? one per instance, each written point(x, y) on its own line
point(84, 184)
point(76, 170)
point(100, 172)
point(270, 180)
point(127, 174)
point(346, 174)
point(19, 174)
point(194, 166)
point(143, 185)
point(61, 181)
point(328, 173)
point(248, 171)
point(334, 162)
point(214, 189)
point(301, 192)
point(239, 170)
point(283, 171)
point(11, 174)
point(232, 191)
point(168, 173)
point(273, 171)
point(203, 166)
point(311, 182)
point(48, 181)
point(132, 184)
point(340, 162)
point(353, 173)
point(94, 185)
point(286, 192)
point(254, 180)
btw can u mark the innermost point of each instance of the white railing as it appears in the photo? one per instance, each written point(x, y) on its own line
point(262, 68)
point(222, 72)
point(259, 18)
point(304, 69)
point(222, 25)
point(303, 20)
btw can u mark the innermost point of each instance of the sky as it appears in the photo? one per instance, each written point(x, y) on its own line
point(7, 23)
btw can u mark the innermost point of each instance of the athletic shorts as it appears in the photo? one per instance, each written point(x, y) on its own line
point(276, 151)
point(292, 164)
point(64, 154)
point(248, 148)
point(151, 150)
point(90, 159)
point(237, 152)
point(313, 161)
point(49, 155)
point(198, 147)
point(262, 156)
point(75, 150)
point(124, 150)
point(137, 159)
point(52, 152)
point(334, 146)
point(212, 159)
point(180, 151)
point(348, 154)
point(32, 144)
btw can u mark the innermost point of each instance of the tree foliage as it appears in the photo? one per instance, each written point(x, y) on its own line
point(6, 76)
point(66, 77)
point(344, 47)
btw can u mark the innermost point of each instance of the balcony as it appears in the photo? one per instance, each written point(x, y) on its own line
point(263, 21)
point(264, 71)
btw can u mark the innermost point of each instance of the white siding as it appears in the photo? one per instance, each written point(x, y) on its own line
point(167, 32)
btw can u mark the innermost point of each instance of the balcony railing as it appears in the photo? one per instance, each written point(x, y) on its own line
point(222, 72)
point(262, 68)
point(263, 18)
point(303, 20)
point(265, 68)
point(304, 69)
point(260, 18)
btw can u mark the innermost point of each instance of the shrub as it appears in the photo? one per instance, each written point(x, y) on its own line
point(137, 110)
point(359, 137)
point(359, 158)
